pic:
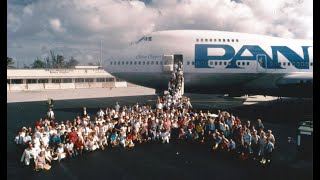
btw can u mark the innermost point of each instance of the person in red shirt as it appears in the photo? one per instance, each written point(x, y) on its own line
point(73, 135)
point(39, 123)
point(78, 146)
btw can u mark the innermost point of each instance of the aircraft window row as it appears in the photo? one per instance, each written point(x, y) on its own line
point(243, 63)
point(136, 62)
point(219, 63)
point(148, 39)
point(295, 63)
point(217, 40)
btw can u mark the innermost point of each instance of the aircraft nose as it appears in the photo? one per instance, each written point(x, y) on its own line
point(107, 65)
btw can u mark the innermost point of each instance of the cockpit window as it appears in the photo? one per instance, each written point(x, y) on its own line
point(140, 40)
point(144, 38)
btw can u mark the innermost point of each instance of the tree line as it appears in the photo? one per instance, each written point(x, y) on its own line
point(52, 61)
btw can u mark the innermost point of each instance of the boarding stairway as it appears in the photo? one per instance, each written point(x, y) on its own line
point(175, 67)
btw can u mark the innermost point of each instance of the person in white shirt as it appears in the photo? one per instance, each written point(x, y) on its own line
point(50, 114)
point(117, 107)
point(45, 140)
point(85, 130)
point(103, 142)
point(165, 137)
point(100, 113)
point(60, 152)
point(19, 138)
point(48, 154)
point(28, 154)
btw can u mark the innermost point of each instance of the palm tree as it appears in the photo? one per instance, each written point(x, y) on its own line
point(10, 61)
point(38, 64)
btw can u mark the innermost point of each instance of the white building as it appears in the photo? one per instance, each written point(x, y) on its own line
point(45, 79)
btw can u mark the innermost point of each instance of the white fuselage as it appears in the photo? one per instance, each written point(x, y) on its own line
point(218, 62)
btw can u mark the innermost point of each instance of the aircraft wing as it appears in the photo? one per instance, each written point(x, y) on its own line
point(303, 79)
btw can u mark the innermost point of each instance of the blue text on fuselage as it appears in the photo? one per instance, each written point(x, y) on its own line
point(202, 58)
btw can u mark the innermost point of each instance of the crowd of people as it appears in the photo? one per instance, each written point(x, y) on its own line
point(171, 120)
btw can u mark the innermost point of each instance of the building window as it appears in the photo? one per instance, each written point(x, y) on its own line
point(8, 81)
point(101, 79)
point(302, 64)
point(248, 63)
point(297, 63)
point(31, 81)
point(219, 40)
point(192, 62)
point(237, 40)
point(109, 79)
point(148, 62)
point(224, 63)
point(135, 63)
point(150, 38)
point(152, 62)
point(139, 62)
point(279, 63)
point(118, 62)
point(188, 62)
point(79, 80)
point(118, 80)
point(122, 63)
point(43, 80)
point(88, 80)
point(293, 63)
point(68, 80)
point(160, 62)
point(16, 81)
point(56, 80)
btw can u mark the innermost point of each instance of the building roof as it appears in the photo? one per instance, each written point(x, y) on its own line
point(56, 73)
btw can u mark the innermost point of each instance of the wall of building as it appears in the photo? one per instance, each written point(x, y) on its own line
point(50, 86)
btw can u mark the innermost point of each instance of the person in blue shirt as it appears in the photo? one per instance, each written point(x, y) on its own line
point(54, 140)
point(268, 151)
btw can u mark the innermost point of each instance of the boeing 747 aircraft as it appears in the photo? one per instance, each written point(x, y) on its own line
point(219, 62)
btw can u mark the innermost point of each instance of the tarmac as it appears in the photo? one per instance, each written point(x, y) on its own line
point(161, 161)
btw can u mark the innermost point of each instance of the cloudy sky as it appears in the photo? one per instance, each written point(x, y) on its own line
point(77, 27)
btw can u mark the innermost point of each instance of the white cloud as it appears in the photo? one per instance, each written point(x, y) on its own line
point(81, 24)
point(28, 10)
point(56, 25)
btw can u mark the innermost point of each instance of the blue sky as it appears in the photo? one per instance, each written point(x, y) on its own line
point(76, 27)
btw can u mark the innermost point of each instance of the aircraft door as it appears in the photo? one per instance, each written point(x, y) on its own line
point(261, 63)
point(178, 59)
point(167, 61)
